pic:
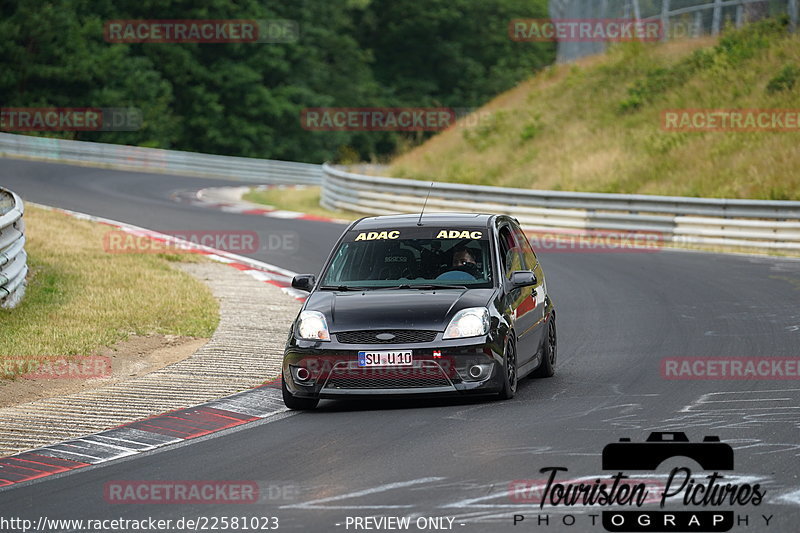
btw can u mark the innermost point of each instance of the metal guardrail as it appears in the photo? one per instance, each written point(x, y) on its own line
point(749, 224)
point(704, 17)
point(157, 160)
point(716, 7)
point(13, 259)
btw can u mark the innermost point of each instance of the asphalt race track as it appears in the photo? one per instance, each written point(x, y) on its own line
point(619, 315)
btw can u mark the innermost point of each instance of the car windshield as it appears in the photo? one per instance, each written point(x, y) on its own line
point(419, 257)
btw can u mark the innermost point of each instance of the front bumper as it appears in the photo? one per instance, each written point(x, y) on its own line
point(440, 368)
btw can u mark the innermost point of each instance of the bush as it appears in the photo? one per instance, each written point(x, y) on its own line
point(785, 80)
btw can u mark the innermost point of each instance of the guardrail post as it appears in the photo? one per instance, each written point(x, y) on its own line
point(793, 15)
point(716, 21)
point(637, 12)
point(665, 19)
point(740, 15)
point(698, 24)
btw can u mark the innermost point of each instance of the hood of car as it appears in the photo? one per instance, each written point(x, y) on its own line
point(429, 310)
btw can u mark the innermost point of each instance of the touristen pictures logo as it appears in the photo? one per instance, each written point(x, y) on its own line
point(709, 501)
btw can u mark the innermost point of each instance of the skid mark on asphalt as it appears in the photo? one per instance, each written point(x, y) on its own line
point(321, 502)
point(723, 410)
point(772, 400)
point(506, 451)
point(474, 502)
point(759, 447)
point(469, 412)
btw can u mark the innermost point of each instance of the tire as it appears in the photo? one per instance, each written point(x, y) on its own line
point(549, 352)
point(297, 404)
point(510, 375)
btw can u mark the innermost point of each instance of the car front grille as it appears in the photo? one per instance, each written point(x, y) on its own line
point(400, 336)
point(386, 383)
point(423, 375)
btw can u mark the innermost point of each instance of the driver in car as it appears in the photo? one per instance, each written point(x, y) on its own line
point(462, 257)
point(463, 267)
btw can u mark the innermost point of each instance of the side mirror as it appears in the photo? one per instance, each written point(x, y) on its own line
point(523, 278)
point(304, 282)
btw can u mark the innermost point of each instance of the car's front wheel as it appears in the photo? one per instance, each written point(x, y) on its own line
point(297, 404)
point(511, 379)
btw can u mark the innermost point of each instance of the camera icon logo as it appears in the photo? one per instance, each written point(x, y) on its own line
point(711, 454)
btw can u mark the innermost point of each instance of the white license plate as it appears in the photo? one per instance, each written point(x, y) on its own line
point(384, 359)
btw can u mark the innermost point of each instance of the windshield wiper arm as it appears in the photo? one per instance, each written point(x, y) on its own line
point(342, 288)
point(424, 286)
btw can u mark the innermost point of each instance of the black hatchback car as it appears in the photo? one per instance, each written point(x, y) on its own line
point(407, 305)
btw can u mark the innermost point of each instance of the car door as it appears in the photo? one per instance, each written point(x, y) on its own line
point(538, 294)
point(519, 299)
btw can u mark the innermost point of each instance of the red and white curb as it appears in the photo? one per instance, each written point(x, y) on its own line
point(143, 435)
point(272, 274)
point(168, 428)
point(229, 200)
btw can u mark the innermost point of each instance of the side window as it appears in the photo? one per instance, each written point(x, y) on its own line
point(510, 252)
point(337, 265)
point(527, 250)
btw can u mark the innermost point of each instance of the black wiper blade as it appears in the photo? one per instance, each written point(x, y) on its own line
point(342, 288)
point(425, 287)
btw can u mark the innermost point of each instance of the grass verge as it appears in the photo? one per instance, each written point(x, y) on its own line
point(596, 125)
point(81, 298)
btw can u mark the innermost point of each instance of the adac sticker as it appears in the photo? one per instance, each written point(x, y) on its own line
point(458, 234)
point(378, 235)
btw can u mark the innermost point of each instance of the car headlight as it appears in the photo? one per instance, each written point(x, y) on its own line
point(471, 322)
point(312, 326)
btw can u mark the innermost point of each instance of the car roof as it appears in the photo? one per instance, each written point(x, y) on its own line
point(441, 220)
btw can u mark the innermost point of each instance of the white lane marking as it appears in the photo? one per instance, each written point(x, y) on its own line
point(98, 444)
point(51, 451)
point(316, 504)
point(285, 214)
point(260, 275)
point(751, 400)
point(792, 498)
